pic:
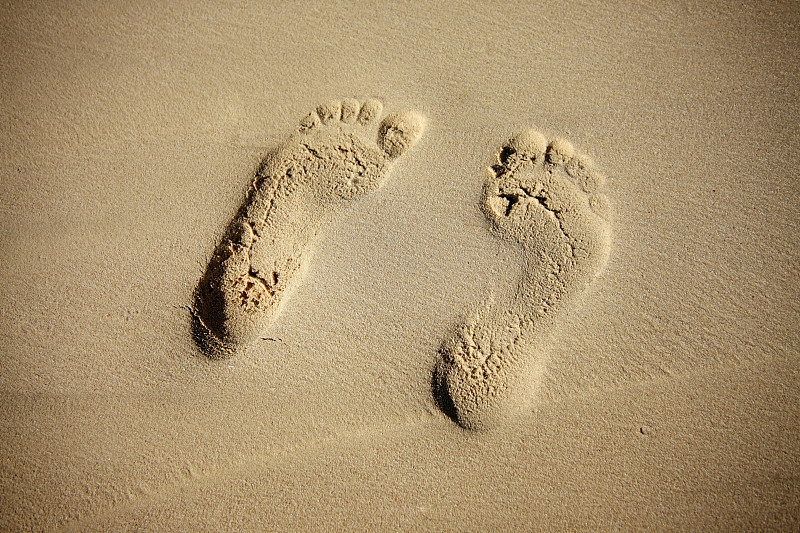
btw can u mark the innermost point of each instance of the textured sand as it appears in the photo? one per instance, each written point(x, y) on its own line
point(129, 137)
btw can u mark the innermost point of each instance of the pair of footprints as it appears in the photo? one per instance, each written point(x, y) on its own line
point(541, 196)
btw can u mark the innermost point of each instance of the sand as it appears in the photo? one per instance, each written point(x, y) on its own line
point(662, 394)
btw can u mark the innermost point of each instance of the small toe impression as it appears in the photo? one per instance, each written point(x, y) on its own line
point(560, 152)
point(400, 131)
point(349, 110)
point(592, 180)
point(371, 110)
point(309, 122)
point(330, 111)
point(582, 169)
point(601, 206)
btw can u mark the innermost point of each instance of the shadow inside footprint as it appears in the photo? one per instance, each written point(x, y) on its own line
point(440, 395)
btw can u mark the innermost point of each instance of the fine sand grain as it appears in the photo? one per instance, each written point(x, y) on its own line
point(595, 330)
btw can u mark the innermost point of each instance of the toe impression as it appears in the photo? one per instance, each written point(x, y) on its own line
point(400, 131)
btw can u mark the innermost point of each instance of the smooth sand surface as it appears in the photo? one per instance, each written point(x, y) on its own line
point(670, 388)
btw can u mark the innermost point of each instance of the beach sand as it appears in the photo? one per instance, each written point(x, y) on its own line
point(663, 391)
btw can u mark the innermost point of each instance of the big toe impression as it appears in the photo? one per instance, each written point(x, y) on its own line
point(400, 131)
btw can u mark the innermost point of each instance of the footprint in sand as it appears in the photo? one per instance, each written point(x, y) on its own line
point(544, 198)
point(312, 176)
